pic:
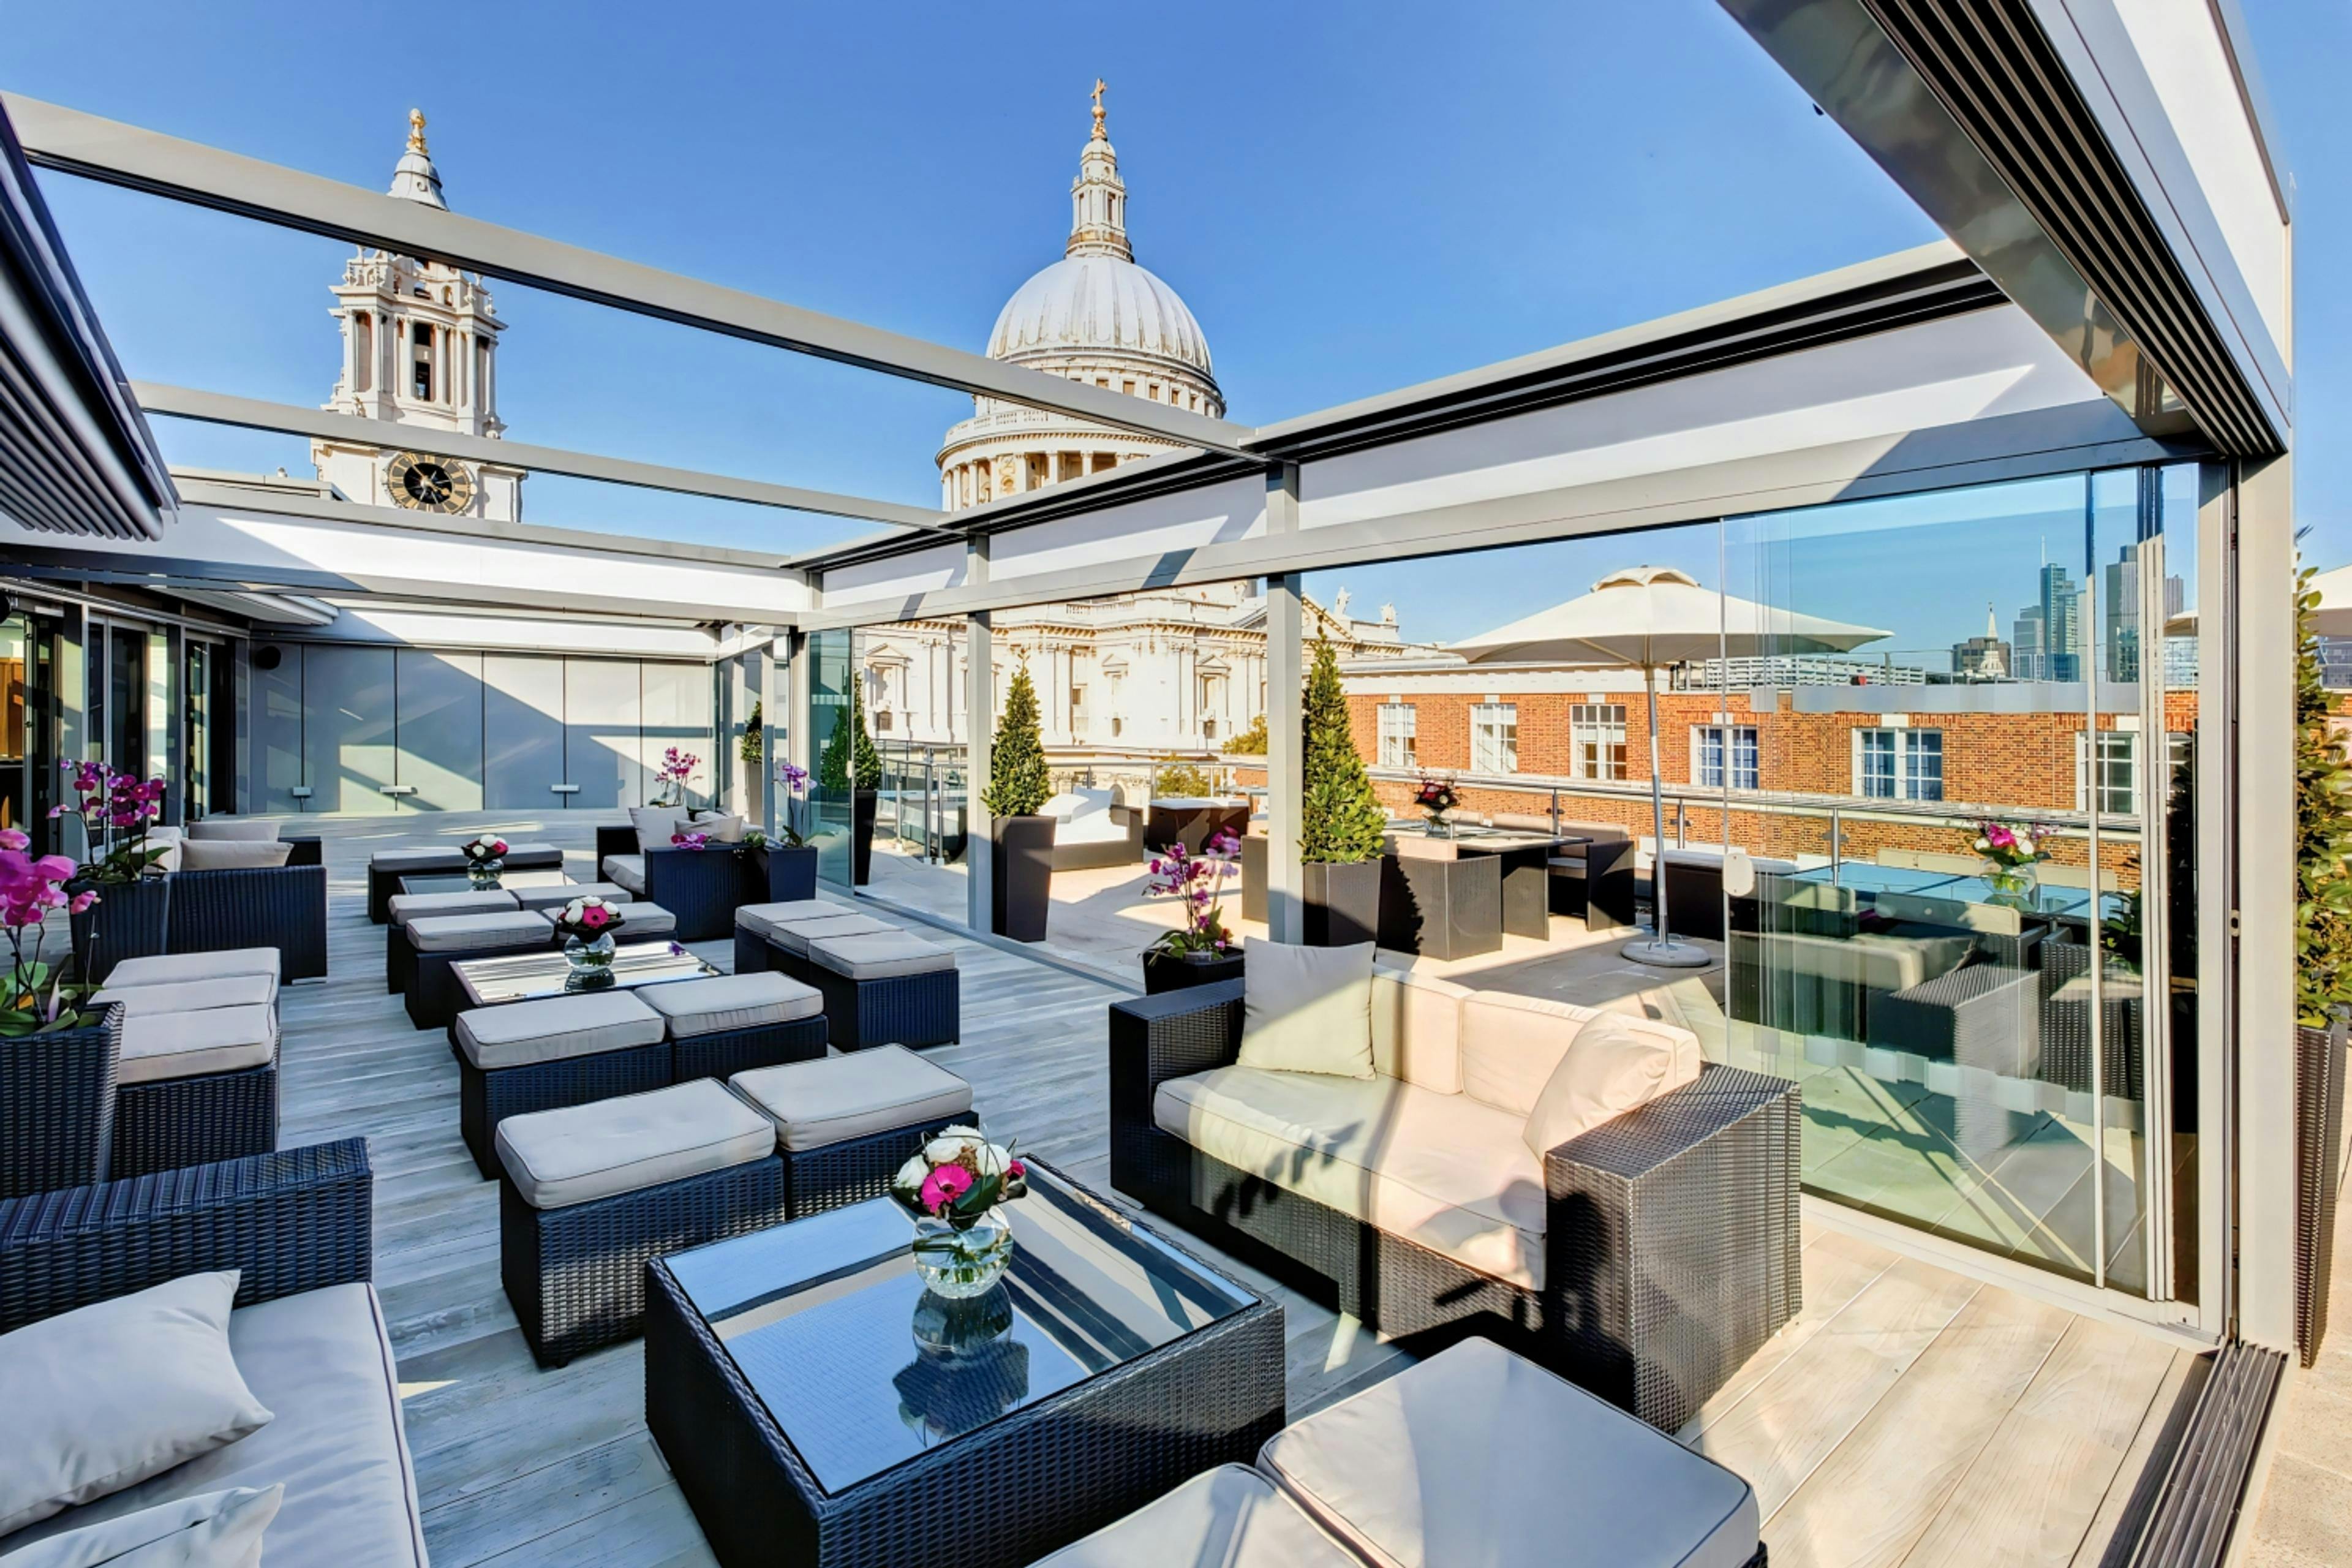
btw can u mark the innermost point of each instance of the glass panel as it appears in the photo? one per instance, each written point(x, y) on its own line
point(124, 729)
point(677, 709)
point(16, 639)
point(274, 688)
point(2171, 700)
point(863, 1369)
point(440, 733)
point(830, 802)
point(522, 733)
point(196, 740)
point(601, 702)
point(347, 727)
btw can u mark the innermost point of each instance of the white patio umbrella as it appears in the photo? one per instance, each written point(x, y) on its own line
point(1648, 618)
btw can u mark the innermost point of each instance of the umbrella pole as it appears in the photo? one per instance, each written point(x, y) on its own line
point(1658, 948)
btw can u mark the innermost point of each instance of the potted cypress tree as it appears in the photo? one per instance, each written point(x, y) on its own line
point(1021, 848)
point(1341, 822)
point(851, 769)
point(2323, 970)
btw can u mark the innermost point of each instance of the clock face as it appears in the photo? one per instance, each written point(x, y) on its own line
point(429, 484)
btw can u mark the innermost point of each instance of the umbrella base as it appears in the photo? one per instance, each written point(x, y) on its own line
point(1668, 954)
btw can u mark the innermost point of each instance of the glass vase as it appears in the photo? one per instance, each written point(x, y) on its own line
point(957, 1262)
point(591, 959)
point(483, 875)
point(2014, 887)
point(1439, 826)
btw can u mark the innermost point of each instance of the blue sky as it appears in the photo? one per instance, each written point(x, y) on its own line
point(1349, 198)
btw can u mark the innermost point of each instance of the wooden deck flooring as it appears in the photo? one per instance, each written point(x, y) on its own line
point(1909, 1416)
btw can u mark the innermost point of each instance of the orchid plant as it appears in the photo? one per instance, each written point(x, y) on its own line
point(1200, 881)
point(796, 780)
point(2011, 850)
point(684, 840)
point(35, 999)
point(958, 1178)
point(115, 810)
point(676, 768)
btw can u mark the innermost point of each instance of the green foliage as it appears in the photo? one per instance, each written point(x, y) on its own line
point(1341, 820)
point(1250, 742)
point(749, 749)
point(849, 743)
point(1018, 783)
point(2323, 812)
point(1183, 778)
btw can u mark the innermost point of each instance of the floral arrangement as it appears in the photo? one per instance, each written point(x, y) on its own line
point(115, 810)
point(36, 1000)
point(676, 768)
point(1200, 881)
point(958, 1178)
point(683, 839)
point(485, 850)
point(1436, 798)
point(796, 780)
point(590, 917)
point(2013, 845)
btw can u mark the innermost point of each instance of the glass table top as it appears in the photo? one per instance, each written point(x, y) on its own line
point(459, 882)
point(864, 1369)
point(522, 976)
point(2046, 899)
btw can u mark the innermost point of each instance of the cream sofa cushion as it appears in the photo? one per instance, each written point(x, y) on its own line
point(193, 996)
point(1417, 1029)
point(157, 1046)
point(656, 825)
point(1512, 1044)
point(556, 1028)
point(834, 1098)
point(217, 1530)
point(233, 854)
point(1477, 1456)
point(170, 968)
point(795, 936)
point(1441, 1170)
point(579, 1153)
point(219, 827)
point(1231, 1517)
point(1610, 1069)
point(170, 840)
point(1307, 1009)
point(102, 1397)
point(628, 870)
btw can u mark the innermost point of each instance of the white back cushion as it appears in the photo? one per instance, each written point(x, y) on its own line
point(1610, 1069)
point(656, 825)
point(1512, 1044)
point(1417, 1029)
point(1307, 1009)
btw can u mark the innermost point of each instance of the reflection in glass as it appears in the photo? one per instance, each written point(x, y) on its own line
point(831, 797)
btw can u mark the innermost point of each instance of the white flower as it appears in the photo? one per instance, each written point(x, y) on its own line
point(947, 1147)
point(1984, 844)
point(912, 1173)
point(991, 1158)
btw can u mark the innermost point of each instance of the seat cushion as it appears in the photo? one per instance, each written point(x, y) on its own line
point(1417, 1029)
point(233, 827)
point(725, 1002)
point(834, 1098)
point(403, 908)
point(1441, 1170)
point(1512, 1044)
point(554, 1029)
point(1308, 1009)
point(1478, 1455)
point(561, 893)
point(796, 937)
point(233, 854)
point(532, 857)
point(644, 921)
point(1230, 1517)
point(628, 870)
point(169, 968)
point(182, 1045)
point(1610, 1069)
point(769, 919)
point(558, 1158)
point(461, 933)
point(192, 995)
point(878, 955)
point(406, 860)
point(323, 1362)
point(219, 1530)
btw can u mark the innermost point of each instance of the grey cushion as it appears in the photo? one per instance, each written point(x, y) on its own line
point(628, 870)
point(462, 933)
point(881, 955)
point(1479, 1456)
point(553, 1028)
point(724, 1002)
point(403, 908)
point(796, 938)
point(233, 855)
point(232, 827)
point(655, 823)
point(771, 918)
point(407, 860)
point(642, 922)
point(167, 968)
point(1231, 1517)
point(562, 893)
point(158, 1046)
point(323, 1361)
point(834, 1098)
point(102, 1397)
point(193, 996)
point(558, 1158)
point(217, 1530)
point(1308, 1009)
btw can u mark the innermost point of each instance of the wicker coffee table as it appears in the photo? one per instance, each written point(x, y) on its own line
point(818, 1405)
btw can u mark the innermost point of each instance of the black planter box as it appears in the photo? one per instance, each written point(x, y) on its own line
point(131, 919)
point(783, 873)
point(861, 837)
point(1442, 908)
point(1343, 902)
point(57, 1106)
point(1021, 876)
point(1168, 972)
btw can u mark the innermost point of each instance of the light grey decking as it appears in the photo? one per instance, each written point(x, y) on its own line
point(1910, 1416)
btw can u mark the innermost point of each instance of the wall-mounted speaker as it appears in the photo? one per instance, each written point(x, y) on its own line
point(268, 655)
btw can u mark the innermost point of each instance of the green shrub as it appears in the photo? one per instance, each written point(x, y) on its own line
point(2323, 808)
point(849, 739)
point(1250, 742)
point(1341, 821)
point(749, 747)
point(1182, 778)
point(1018, 783)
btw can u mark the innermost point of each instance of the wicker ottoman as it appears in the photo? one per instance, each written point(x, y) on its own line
point(788, 939)
point(885, 987)
point(399, 958)
point(195, 1087)
point(387, 866)
point(589, 1195)
point(737, 1023)
point(845, 1124)
point(756, 926)
point(528, 1056)
point(432, 993)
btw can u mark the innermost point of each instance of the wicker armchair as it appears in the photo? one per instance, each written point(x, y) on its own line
point(700, 887)
point(284, 907)
point(1671, 1246)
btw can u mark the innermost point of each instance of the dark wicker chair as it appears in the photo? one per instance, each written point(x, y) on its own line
point(1671, 1242)
point(178, 1121)
point(700, 887)
point(298, 1220)
point(284, 907)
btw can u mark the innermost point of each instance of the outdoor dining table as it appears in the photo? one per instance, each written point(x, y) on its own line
point(1459, 894)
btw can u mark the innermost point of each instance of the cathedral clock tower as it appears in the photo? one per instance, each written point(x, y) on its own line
point(420, 349)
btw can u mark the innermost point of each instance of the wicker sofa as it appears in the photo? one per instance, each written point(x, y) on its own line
point(702, 887)
point(307, 1335)
point(1646, 1259)
point(282, 907)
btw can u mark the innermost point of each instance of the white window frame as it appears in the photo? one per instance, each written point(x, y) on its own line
point(2126, 742)
point(1906, 752)
point(1721, 749)
point(1494, 738)
point(1591, 724)
point(1400, 735)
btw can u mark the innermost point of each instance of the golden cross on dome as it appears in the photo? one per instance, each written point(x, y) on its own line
point(1097, 96)
point(416, 131)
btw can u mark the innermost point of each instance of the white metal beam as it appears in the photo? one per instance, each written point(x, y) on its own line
point(67, 140)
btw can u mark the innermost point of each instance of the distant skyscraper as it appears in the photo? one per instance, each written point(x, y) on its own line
point(2062, 625)
point(2121, 644)
point(2026, 654)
